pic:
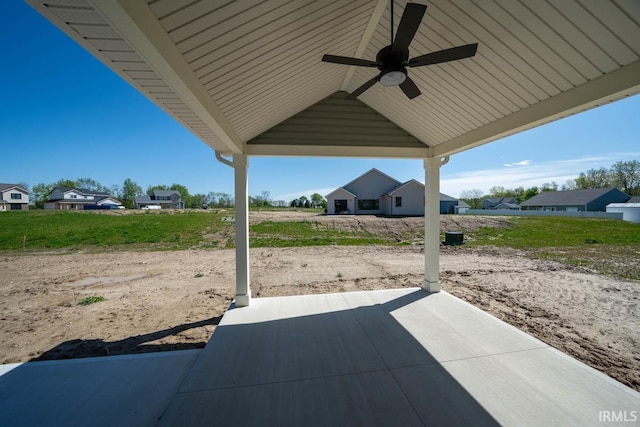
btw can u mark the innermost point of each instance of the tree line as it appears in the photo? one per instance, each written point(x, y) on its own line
point(623, 175)
point(264, 200)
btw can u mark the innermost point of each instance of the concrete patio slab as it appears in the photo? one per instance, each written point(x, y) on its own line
point(448, 327)
point(393, 357)
point(321, 336)
point(131, 390)
point(363, 399)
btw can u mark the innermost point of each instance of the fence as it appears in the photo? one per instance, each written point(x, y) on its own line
point(501, 212)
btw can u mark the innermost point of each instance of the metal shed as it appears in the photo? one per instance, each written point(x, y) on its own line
point(630, 211)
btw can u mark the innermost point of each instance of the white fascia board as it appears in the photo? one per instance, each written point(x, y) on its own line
point(337, 151)
point(608, 88)
point(139, 27)
point(16, 188)
point(411, 181)
point(341, 189)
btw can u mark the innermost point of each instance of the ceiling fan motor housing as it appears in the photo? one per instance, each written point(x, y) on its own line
point(392, 66)
point(387, 59)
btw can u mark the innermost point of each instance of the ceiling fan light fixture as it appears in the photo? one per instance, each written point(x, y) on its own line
point(393, 78)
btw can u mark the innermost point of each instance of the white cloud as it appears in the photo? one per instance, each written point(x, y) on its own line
point(559, 171)
point(521, 163)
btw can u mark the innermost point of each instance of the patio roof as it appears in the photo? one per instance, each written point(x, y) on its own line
point(232, 71)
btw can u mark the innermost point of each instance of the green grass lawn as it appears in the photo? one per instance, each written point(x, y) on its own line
point(55, 229)
point(288, 234)
point(545, 232)
point(608, 246)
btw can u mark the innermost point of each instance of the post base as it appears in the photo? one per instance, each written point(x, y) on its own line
point(431, 287)
point(243, 300)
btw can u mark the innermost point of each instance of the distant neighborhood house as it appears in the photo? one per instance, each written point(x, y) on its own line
point(13, 197)
point(79, 199)
point(376, 193)
point(590, 200)
point(165, 199)
point(500, 203)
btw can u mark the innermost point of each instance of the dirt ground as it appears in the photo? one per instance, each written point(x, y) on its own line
point(157, 301)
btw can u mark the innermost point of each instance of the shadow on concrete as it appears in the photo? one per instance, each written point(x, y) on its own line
point(79, 348)
point(355, 366)
point(127, 388)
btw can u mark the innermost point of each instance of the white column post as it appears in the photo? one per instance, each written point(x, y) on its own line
point(243, 292)
point(431, 281)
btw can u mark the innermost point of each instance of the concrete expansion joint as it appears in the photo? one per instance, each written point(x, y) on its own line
point(289, 381)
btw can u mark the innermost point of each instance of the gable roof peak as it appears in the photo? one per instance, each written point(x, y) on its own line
point(4, 187)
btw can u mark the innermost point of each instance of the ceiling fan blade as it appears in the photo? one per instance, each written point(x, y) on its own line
point(409, 88)
point(409, 23)
point(361, 89)
point(349, 61)
point(445, 55)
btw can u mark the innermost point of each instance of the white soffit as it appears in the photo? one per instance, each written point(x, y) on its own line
point(80, 20)
point(230, 71)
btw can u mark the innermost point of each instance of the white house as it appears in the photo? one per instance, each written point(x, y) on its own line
point(13, 197)
point(376, 193)
point(77, 198)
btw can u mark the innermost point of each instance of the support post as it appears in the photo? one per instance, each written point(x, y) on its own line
point(243, 291)
point(431, 281)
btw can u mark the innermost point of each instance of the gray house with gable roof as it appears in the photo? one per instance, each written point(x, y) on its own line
point(500, 203)
point(75, 199)
point(376, 193)
point(592, 200)
point(166, 199)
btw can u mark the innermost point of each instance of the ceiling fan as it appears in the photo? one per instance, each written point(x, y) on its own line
point(392, 60)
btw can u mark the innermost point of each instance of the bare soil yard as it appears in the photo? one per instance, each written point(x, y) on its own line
point(156, 301)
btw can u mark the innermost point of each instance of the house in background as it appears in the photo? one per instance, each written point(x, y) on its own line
point(376, 193)
point(591, 200)
point(461, 208)
point(500, 203)
point(13, 197)
point(166, 199)
point(77, 199)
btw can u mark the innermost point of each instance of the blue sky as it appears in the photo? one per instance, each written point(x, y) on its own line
point(65, 115)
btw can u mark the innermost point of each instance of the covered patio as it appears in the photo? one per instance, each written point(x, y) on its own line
point(359, 358)
point(246, 77)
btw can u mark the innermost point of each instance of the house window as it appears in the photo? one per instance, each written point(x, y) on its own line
point(16, 196)
point(16, 206)
point(73, 196)
point(398, 202)
point(369, 204)
point(340, 206)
